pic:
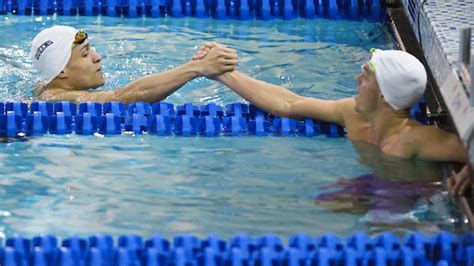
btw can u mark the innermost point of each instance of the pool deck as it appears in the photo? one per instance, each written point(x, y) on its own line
point(437, 24)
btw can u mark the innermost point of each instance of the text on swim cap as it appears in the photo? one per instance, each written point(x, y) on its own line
point(42, 48)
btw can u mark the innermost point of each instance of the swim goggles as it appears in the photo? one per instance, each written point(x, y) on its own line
point(369, 62)
point(80, 38)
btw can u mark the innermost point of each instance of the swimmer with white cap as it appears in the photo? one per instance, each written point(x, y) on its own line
point(389, 85)
point(69, 68)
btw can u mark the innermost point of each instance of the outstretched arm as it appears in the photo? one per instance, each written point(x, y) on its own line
point(158, 86)
point(280, 101)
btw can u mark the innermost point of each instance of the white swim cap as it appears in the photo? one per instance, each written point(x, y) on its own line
point(401, 77)
point(51, 50)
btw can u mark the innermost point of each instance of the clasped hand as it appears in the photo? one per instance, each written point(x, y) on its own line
point(215, 59)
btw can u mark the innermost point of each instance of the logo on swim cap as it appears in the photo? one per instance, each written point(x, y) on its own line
point(42, 48)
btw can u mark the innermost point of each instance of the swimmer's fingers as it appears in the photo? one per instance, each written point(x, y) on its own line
point(226, 49)
point(231, 54)
point(212, 45)
point(227, 68)
point(222, 51)
point(222, 66)
point(230, 64)
point(227, 53)
point(202, 52)
point(459, 183)
point(464, 171)
point(451, 183)
point(464, 180)
point(464, 187)
point(199, 55)
point(455, 188)
point(227, 62)
point(454, 185)
point(204, 49)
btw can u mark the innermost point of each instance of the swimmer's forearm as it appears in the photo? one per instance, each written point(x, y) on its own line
point(271, 98)
point(280, 101)
point(156, 87)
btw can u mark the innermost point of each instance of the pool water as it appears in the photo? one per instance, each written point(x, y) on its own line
point(146, 184)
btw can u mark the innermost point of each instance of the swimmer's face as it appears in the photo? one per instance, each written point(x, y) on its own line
point(84, 68)
point(368, 91)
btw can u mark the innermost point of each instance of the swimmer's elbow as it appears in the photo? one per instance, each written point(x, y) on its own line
point(284, 109)
point(294, 107)
point(125, 96)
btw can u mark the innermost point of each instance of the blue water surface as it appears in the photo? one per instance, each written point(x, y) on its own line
point(169, 185)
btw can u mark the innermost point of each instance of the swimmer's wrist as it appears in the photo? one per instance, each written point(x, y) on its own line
point(226, 76)
point(194, 68)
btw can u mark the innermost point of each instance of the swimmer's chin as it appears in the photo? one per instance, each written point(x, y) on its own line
point(101, 82)
point(97, 86)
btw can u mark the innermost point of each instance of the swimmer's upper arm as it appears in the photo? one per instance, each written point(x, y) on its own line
point(318, 109)
point(435, 144)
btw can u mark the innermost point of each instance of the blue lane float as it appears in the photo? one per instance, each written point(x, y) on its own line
point(19, 119)
point(414, 249)
point(219, 9)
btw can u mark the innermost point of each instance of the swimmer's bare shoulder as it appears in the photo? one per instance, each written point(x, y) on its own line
point(77, 96)
point(433, 143)
point(352, 119)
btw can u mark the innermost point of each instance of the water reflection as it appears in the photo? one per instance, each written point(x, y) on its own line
point(397, 194)
point(147, 184)
point(394, 168)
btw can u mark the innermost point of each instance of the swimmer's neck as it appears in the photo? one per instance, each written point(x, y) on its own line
point(386, 122)
point(55, 85)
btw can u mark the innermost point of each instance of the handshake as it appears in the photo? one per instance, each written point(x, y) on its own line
point(214, 59)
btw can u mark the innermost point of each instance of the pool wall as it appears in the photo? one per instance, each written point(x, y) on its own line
point(437, 26)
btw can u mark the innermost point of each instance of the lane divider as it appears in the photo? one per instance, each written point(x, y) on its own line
point(219, 9)
point(243, 250)
point(19, 119)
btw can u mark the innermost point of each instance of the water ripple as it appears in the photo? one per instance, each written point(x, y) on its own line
point(144, 184)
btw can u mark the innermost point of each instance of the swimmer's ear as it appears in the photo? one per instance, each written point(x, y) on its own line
point(62, 75)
